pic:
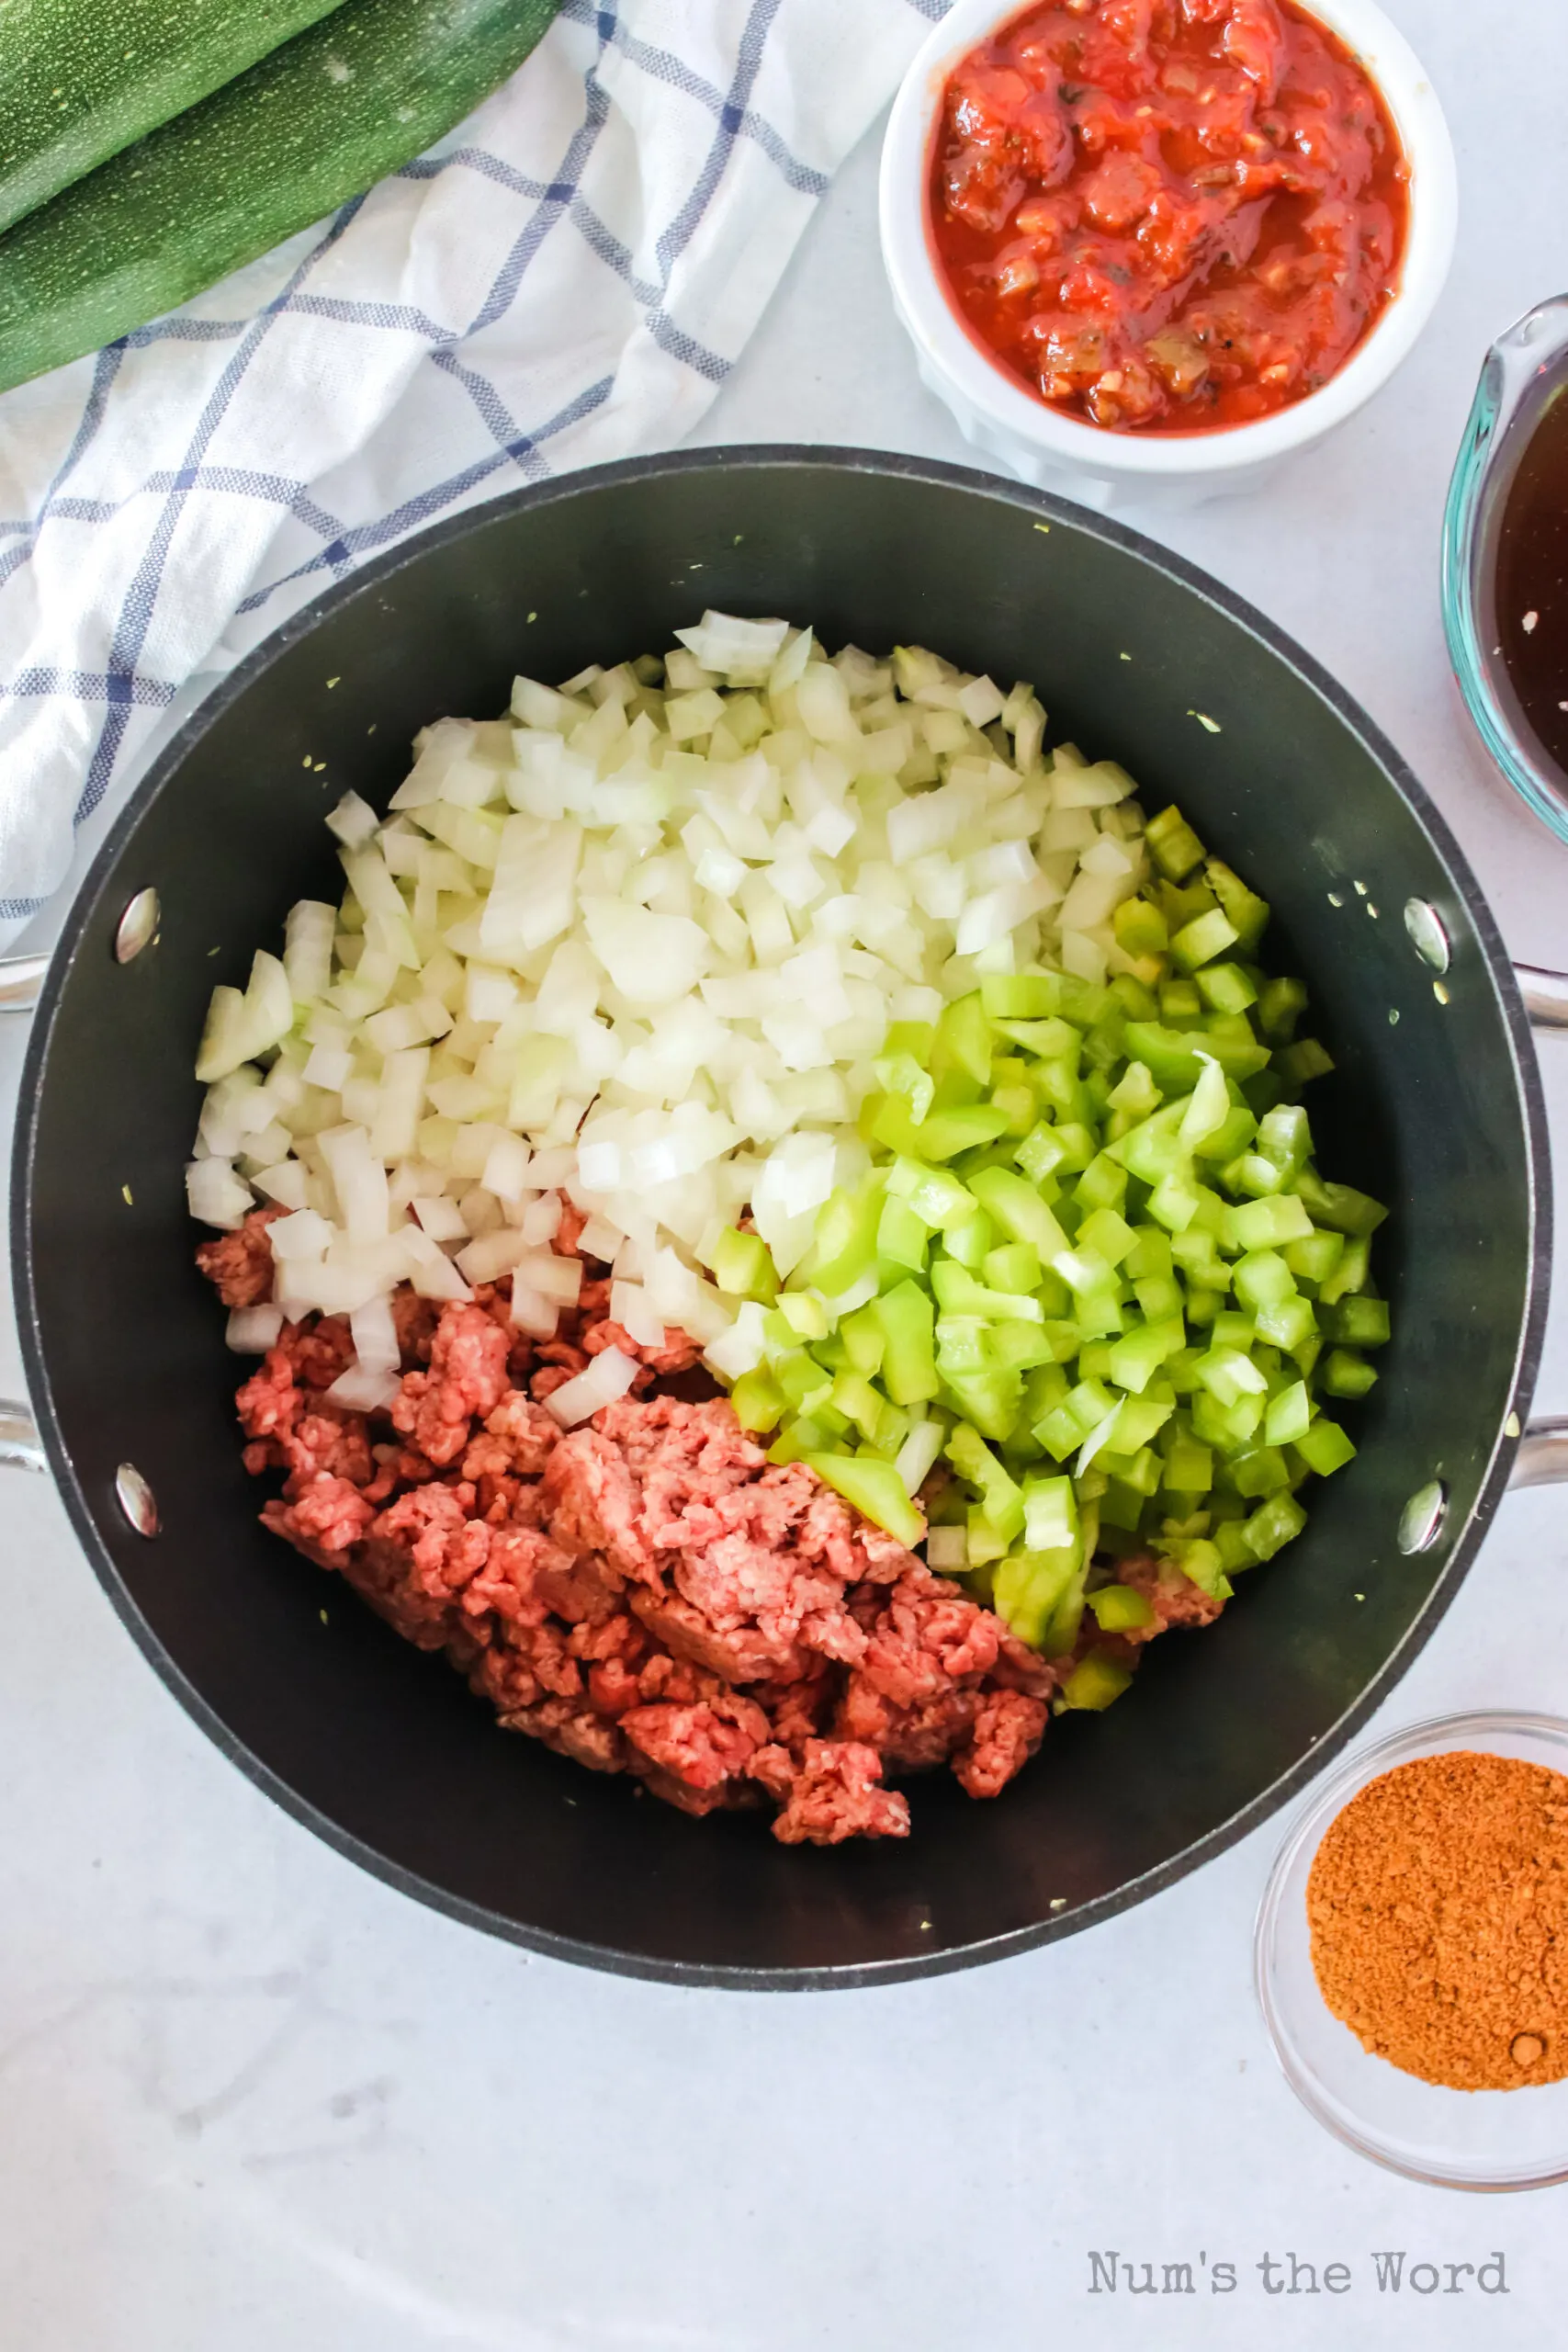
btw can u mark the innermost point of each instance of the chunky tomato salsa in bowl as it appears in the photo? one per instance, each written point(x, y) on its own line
point(1161, 245)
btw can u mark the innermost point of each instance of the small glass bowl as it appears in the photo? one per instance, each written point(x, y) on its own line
point(1479, 2140)
point(1524, 369)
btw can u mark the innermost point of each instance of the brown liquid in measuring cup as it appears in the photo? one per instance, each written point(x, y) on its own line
point(1532, 580)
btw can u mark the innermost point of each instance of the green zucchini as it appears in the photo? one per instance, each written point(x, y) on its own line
point(78, 83)
point(283, 144)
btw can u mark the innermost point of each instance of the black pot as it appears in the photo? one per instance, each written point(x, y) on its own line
point(1435, 1106)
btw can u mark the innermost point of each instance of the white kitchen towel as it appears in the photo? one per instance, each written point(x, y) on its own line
point(567, 278)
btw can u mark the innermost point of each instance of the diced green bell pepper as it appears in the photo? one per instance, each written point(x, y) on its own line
point(1200, 1561)
point(1324, 1447)
point(1245, 909)
point(1135, 1092)
point(962, 1345)
point(1019, 1347)
point(1228, 1375)
point(1263, 1279)
point(1014, 1266)
point(1314, 1260)
point(1173, 846)
point(1016, 1208)
point(1357, 1322)
point(1199, 941)
point(1339, 1206)
point(935, 1194)
point(1268, 1224)
point(1140, 930)
point(1108, 1234)
point(1346, 1375)
point(742, 1267)
point(1225, 988)
point(905, 1317)
point(999, 1493)
point(1136, 1358)
point(1288, 1416)
point(1020, 996)
point(983, 1543)
point(1350, 1274)
point(843, 1243)
point(1284, 1136)
point(962, 1039)
point(1174, 1056)
point(1103, 1185)
point(1050, 1514)
point(1040, 1153)
point(1289, 1326)
point(1094, 1683)
point(854, 1397)
point(968, 1239)
point(901, 1239)
point(1274, 1524)
point(909, 1080)
point(1180, 1006)
point(874, 1489)
point(1280, 1008)
point(1299, 1064)
point(992, 1400)
point(1121, 1609)
point(1262, 1470)
point(1235, 1547)
point(863, 1339)
point(1188, 1466)
point(941, 1135)
point(757, 1400)
point(1029, 1587)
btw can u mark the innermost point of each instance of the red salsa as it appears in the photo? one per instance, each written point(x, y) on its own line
point(1168, 214)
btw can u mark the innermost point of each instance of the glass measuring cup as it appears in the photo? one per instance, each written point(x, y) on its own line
point(1524, 372)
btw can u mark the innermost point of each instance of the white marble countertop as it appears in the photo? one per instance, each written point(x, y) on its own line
point(252, 2099)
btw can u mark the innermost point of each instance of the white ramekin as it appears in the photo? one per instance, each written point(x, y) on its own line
point(1100, 468)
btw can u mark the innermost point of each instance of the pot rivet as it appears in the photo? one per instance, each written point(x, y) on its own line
point(138, 927)
point(136, 1498)
point(1427, 936)
point(1420, 1522)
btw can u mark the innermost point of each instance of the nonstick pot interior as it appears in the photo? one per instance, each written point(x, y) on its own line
point(1432, 1107)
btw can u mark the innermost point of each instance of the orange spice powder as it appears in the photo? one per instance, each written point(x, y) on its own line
point(1438, 1909)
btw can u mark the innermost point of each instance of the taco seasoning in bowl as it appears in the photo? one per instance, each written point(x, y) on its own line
point(1438, 1905)
point(1412, 1952)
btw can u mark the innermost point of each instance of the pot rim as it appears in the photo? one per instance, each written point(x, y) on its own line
point(783, 458)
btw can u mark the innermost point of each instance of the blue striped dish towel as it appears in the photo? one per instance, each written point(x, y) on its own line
point(567, 278)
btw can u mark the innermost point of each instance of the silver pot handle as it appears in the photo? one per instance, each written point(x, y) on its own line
point(21, 977)
point(20, 1447)
point(1542, 1457)
point(1545, 995)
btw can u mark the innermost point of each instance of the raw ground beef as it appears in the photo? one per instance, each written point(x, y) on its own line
point(644, 1593)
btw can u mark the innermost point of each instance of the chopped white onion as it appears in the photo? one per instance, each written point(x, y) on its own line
point(354, 822)
point(609, 1376)
point(947, 1550)
point(216, 1195)
point(638, 947)
point(253, 1330)
point(601, 1240)
point(917, 1456)
point(631, 1307)
point(375, 1335)
point(363, 1390)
